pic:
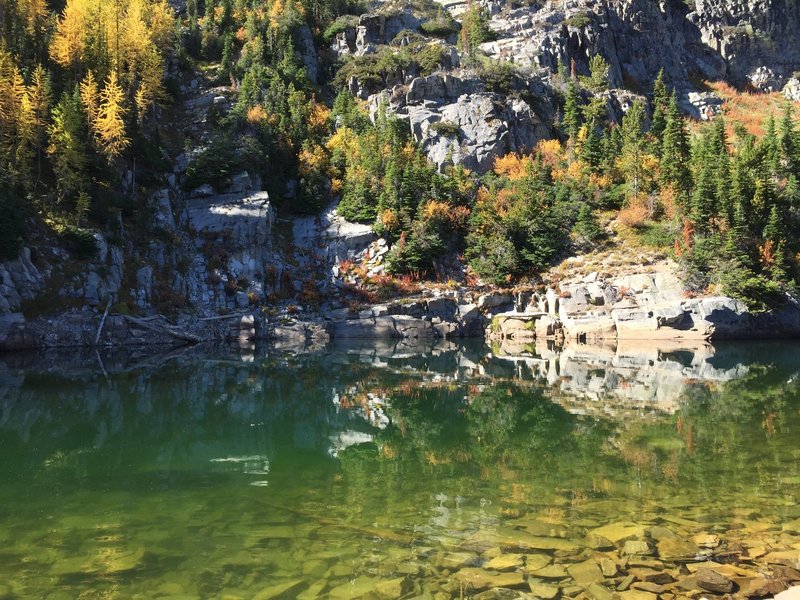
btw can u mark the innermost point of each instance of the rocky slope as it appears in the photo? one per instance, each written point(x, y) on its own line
point(734, 39)
point(225, 253)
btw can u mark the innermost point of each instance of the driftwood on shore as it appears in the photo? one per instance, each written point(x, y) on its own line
point(102, 324)
point(167, 330)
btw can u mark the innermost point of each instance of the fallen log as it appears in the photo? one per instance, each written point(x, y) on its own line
point(168, 331)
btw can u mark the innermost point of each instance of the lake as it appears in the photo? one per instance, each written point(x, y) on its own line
point(632, 472)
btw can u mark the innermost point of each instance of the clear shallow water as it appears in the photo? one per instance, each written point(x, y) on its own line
point(215, 475)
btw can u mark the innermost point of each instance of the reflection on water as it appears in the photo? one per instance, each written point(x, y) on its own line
point(336, 474)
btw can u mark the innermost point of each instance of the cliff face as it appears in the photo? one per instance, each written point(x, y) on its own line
point(741, 40)
point(215, 252)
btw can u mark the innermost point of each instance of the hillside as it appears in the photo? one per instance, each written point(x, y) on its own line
point(171, 168)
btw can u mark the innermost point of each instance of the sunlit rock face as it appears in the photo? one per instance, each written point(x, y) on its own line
point(745, 40)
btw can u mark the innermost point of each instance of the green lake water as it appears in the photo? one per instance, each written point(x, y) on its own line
point(382, 472)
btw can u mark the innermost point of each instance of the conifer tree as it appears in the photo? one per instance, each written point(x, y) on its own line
point(592, 150)
point(109, 126)
point(66, 147)
point(90, 98)
point(703, 205)
point(770, 146)
point(788, 141)
point(773, 250)
point(719, 155)
point(633, 145)
point(571, 121)
point(675, 151)
point(661, 101)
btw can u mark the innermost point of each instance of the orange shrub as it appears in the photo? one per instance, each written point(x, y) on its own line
point(513, 166)
point(635, 212)
point(256, 115)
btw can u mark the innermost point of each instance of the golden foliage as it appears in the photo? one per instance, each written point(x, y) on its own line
point(390, 220)
point(317, 119)
point(513, 166)
point(552, 152)
point(256, 115)
point(70, 39)
point(312, 159)
point(444, 212)
point(89, 98)
point(109, 126)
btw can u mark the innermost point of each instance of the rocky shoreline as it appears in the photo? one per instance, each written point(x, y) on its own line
point(585, 310)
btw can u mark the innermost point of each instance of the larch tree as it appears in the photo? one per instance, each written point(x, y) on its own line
point(109, 127)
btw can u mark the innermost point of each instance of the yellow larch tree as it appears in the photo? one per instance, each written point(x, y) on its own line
point(69, 41)
point(90, 98)
point(109, 126)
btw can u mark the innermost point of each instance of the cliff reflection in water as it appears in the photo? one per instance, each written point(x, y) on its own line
point(191, 407)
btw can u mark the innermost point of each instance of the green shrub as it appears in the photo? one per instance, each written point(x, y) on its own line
point(214, 165)
point(579, 20)
point(445, 128)
point(440, 27)
point(338, 26)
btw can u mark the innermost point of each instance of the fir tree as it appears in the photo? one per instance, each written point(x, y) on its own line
point(788, 141)
point(592, 149)
point(675, 151)
point(571, 121)
point(633, 145)
point(661, 101)
point(66, 149)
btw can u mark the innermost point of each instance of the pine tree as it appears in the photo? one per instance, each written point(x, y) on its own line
point(770, 146)
point(675, 151)
point(703, 199)
point(598, 73)
point(109, 126)
point(612, 148)
point(720, 157)
point(40, 96)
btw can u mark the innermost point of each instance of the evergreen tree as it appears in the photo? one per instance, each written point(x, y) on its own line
point(598, 74)
point(770, 146)
point(571, 121)
point(703, 205)
point(66, 148)
point(720, 157)
point(592, 149)
point(675, 151)
point(661, 101)
point(633, 145)
point(773, 250)
point(788, 141)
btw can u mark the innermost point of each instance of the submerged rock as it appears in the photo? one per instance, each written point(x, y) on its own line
point(713, 581)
